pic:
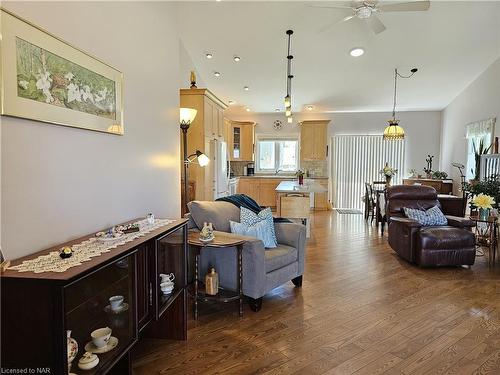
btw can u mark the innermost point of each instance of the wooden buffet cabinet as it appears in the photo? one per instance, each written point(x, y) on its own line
point(38, 308)
point(441, 186)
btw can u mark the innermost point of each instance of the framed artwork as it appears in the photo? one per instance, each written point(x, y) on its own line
point(46, 79)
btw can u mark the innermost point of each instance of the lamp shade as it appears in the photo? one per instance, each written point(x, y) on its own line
point(187, 115)
point(203, 159)
point(393, 131)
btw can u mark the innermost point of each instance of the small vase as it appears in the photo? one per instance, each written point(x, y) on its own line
point(388, 181)
point(484, 214)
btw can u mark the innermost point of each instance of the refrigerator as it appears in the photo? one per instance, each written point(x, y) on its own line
point(219, 171)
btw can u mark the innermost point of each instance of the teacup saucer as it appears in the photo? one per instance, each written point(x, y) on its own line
point(123, 307)
point(112, 343)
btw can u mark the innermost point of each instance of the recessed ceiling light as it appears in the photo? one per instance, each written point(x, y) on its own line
point(310, 107)
point(246, 88)
point(236, 58)
point(247, 109)
point(277, 110)
point(231, 102)
point(356, 52)
point(217, 74)
point(209, 55)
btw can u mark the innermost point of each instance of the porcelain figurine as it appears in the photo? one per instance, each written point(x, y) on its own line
point(151, 219)
point(72, 346)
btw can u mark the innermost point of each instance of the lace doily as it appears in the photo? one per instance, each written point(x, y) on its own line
point(85, 250)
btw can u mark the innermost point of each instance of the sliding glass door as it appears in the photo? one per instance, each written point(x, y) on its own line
point(359, 159)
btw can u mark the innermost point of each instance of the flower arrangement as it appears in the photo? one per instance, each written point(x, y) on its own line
point(388, 171)
point(483, 201)
point(489, 186)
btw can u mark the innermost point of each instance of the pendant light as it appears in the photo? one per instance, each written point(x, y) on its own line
point(393, 131)
point(289, 76)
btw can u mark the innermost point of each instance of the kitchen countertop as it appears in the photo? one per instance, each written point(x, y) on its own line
point(294, 187)
point(281, 177)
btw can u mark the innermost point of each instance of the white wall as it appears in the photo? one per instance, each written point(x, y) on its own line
point(59, 183)
point(480, 100)
point(423, 129)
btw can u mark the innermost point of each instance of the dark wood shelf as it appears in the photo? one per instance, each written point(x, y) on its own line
point(165, 301)
point(223, 296)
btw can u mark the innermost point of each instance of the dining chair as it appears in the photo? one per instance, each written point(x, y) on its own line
point(369, 202)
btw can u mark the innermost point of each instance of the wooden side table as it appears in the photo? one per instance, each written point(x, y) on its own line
point(222, 240)
point(487, 236)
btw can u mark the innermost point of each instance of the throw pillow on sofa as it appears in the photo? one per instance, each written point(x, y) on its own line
point(250, 218)
point(257, 230)
point(432, 217)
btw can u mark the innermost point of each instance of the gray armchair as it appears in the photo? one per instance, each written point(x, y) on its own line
point(263, 269)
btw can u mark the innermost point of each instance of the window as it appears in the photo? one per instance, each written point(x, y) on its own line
point(476, 132)
point(275, 154)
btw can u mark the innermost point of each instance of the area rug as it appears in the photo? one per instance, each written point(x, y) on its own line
point(348, 211)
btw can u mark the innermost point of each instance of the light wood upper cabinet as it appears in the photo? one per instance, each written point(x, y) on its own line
point(241, 139)
point(313, 140)
point(207, 125)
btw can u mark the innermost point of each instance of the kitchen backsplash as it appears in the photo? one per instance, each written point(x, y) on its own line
point(316, 168)
point(237, 167)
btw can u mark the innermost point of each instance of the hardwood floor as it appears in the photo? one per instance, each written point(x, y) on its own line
point(361, 310)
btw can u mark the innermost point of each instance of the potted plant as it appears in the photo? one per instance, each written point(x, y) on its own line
point(485, 204)
point(388, 173)
point(489, 186)
point(300, 175)
point(413, 173)
point(439, 175)
point(428, 169)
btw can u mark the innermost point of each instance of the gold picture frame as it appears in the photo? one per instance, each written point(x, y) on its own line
point(44, 78)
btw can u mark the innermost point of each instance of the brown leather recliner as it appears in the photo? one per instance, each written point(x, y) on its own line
point(450, 245)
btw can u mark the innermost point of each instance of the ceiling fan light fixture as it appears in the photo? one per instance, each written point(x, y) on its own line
point(364, 12)
point(288, 112)
point(288, 101)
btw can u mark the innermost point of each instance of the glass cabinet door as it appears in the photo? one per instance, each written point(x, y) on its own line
point(236, 142)
point(102, 302)
point(171, 277)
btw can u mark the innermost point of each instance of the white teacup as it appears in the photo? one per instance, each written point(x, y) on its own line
point(116, 302)
point(165, 278)
point(100, 337)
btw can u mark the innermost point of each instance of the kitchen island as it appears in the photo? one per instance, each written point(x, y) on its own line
point(294, 201)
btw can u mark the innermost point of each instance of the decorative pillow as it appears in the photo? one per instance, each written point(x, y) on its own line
point(257, 230)
point(432, 217)
point(250, 218)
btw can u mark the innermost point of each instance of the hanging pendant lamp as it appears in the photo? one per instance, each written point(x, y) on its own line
point(289, 76)
point(393, 131)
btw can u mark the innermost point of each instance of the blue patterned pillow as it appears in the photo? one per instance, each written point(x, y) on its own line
point(432, 217)
point(250, 218)
point(257, 230)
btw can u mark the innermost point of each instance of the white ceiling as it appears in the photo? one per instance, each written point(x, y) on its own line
point(451, 44)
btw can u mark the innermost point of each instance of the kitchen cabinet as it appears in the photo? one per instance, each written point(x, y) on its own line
point(262, 190)
point(313, 139)
point(250, 187)
point(321, 199)
point(241, 140)
point(207, 125)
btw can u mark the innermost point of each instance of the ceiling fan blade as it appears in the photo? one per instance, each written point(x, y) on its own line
point(375, 24)
point(331, 7)
point(348, 18)
point(413, 6)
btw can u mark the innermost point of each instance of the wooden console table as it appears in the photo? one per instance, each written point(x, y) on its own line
point(39, 308)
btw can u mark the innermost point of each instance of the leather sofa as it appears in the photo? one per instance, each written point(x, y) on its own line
point(263, 269)
point(450, 245)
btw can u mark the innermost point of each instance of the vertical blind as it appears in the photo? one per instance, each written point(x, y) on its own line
point(359, 159)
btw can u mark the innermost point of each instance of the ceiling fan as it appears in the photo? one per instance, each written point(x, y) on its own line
point(367, 11)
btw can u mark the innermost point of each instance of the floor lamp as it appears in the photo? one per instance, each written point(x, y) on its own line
point(187, 116)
